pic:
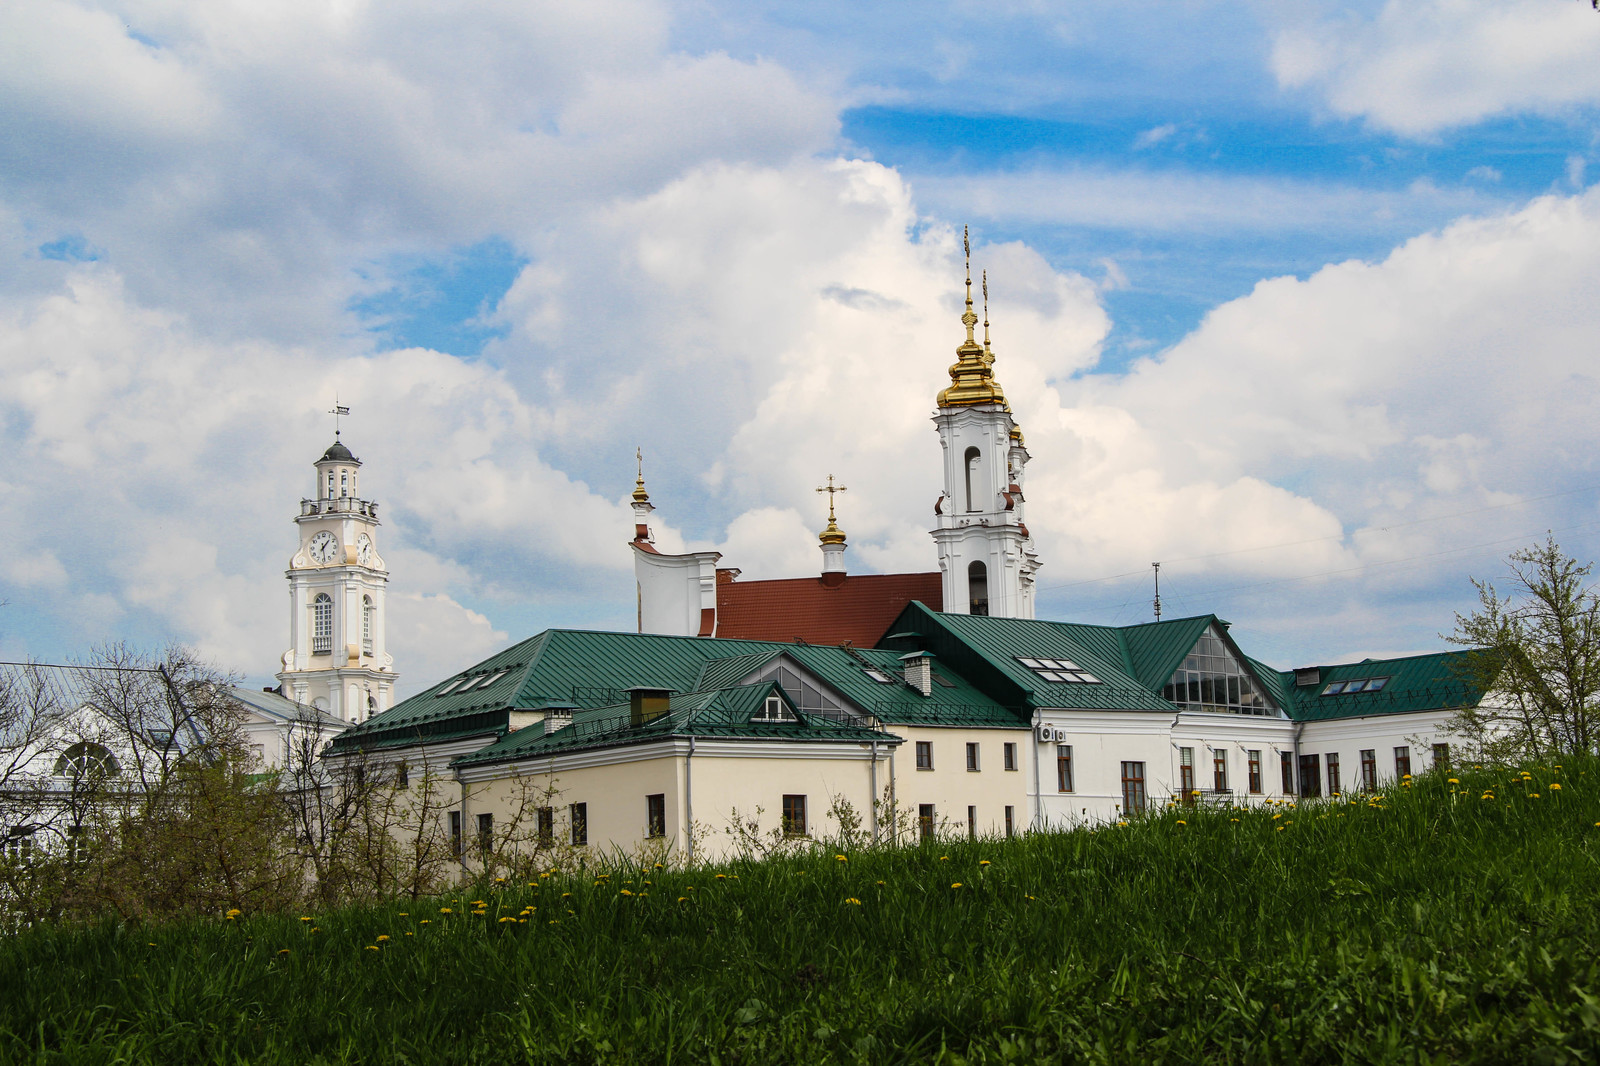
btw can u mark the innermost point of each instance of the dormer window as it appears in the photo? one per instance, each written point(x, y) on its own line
point(774, 709)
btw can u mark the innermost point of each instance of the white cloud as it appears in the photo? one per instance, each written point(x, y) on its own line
point(1421, 66)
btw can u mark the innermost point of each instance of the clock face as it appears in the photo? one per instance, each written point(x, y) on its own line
point(364, 550)
point(324, 548)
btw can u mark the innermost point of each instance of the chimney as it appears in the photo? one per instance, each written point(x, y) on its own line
point(647, 704)
point(919, 671)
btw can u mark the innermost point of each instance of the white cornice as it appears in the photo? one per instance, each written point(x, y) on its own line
point(677, 747)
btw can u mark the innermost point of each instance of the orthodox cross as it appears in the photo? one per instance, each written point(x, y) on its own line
point(830, 488)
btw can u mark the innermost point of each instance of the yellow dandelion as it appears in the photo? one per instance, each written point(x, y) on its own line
point(1533, 795)
point(880, 883)
point(314, 929)
point(405, 914)
point(445, 910)
point(625, 892)
point(372, 947)
point(956, 885)
point(283, 951)
point(1182, 822)
point(410, 933)
point(944, 858)
point(566, 895)
point(382, 937)
point(984, 862)
point(1275, 817)
point(1028, 897)
point(852, 900)
point(506, 919)
point(479, 903)
point(533, 884)
point(841, 858)
point(722, 877)
point(499, 880)
point(661, 866)
point(426, 921)
point(682, 898)
point(1280, 828)
point(305, 918)
point(1555, 786)
point(153, 943)
point(1453, 781)
point(522, 921)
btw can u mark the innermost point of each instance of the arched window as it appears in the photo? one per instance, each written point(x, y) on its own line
point(344, 484)
point(87, 760)
point(973, 458)
point(977, 588)
point(330, 484)
point(366, 624)
point(322, 631)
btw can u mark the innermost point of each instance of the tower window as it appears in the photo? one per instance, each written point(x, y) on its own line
point(366, 624)
point(322, 629)
point(344, 484)
point(330, 484)
point(973, 458)
point(977, 588)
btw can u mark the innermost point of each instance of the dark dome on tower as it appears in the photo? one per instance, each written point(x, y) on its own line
point(338, 453)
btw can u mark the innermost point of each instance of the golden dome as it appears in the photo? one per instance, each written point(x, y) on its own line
point(639, 493)
point(833, 534)
point(972, 375)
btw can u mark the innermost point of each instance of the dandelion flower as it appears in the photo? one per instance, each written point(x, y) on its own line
point(410, 933)
point(944, 858)
point(445, 910)
point(405, 914)
point(372, 947)
point(1182, 822)
point(682, 898)
point(426, 921)
point(1029, 897)
point(661, 866)
point(984, 862)
point(283, 951)
point(382, 937)
point(841, 858)
point(722, 877)
point(506, 919)
point(854, 901)
point(956, 885)
point(1453, 781)
point(625, 892)
point(881, 884)
point(314, 929)
point(305, 918)
point(1555, 786)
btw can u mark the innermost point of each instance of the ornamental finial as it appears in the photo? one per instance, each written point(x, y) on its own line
point(639, 493)
point(833, 534)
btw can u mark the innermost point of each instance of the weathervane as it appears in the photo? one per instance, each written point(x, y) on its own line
point(338, 410)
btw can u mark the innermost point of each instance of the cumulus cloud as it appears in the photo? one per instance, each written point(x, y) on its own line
point(1421, 66)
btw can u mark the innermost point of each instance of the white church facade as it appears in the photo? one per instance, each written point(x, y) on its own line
point(923, 704)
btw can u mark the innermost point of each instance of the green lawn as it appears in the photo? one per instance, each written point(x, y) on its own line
point(1429, 924)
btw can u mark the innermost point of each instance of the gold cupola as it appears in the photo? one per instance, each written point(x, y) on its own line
point(972, 375)
point(639, 493)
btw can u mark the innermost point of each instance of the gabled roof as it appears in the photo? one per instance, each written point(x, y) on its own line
point(1415, 683)
point(858, 610)
point(591, 670)
point(724, 713)
point(272, 706)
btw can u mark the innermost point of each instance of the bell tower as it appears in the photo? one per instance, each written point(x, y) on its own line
point(336, 659)
point(986, 555)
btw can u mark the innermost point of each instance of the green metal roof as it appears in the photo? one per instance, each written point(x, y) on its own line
point(586, 669)
point(723, 713)
point(1415, 683)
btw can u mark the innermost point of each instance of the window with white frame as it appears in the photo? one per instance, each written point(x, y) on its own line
point(366, 624)
point(1061, 671)
point(322, 624)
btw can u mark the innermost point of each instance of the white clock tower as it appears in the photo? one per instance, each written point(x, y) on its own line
point(336, 659)
point(986, 555)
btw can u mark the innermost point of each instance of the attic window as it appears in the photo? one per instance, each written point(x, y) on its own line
point(1362, 684)
point(470, 682)
point(491, 680)
point(1061, 671)
point(773, 709)
point(940, 679)
point(880, 677)
point(446, 690)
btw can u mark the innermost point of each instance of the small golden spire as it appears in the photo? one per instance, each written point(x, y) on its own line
point(833, 534)
point(639, 494)
point(972, 377)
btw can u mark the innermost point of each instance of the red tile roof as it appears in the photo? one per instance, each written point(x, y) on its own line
point(859, 609)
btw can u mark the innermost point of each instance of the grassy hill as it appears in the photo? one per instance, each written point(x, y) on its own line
point(1457, 920)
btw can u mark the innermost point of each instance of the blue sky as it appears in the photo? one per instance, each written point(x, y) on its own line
point(1297, 299)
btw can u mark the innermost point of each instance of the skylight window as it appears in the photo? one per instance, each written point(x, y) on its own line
point(446, 690)
point(492, 679)
point(879, 676)
point(470, 682)
point(1061, 671)
point(1360, 684)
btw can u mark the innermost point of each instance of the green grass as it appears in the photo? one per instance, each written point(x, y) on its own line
point(1433, 925)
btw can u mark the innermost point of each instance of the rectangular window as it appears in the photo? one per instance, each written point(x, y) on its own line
point(1441, 756)
point(972, 758)
point(1310, 776)
point(402, 777)
point(455, 833)
point(1255, 771)
point(972, 822)
point(1010, 753)
point(1011, 825)
point(1063, 767)
point(546, 820)
point(1402, 763)
point(794, 816)
point(924, 755)
point(1369, 769)
point(1219, 769)
point(579, 813)
point(485, 834)
point(1186, 774)
point(1286, 764)
point(1133, 788)
point(655, 815)
point(1333, 774)
point(925, 820)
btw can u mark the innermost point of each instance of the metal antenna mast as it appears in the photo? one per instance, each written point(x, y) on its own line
point(1157, 568)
